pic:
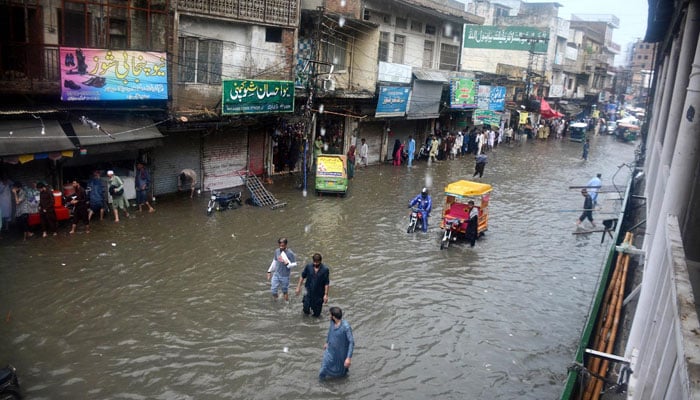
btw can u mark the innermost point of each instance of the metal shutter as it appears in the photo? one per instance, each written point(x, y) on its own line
point(179, 151)
point(256, 152)
point(372, 132)
point(225, 154)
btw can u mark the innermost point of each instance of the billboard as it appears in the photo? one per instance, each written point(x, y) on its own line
point(463, 93)
point(491, 98)
point(506, 38)
point(486, 117)
point(392, 101)
point(99, 74)
point(256, 97)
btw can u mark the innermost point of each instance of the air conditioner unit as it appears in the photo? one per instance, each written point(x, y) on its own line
point(328, 84)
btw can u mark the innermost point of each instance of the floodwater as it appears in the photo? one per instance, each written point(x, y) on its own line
point(175, 304)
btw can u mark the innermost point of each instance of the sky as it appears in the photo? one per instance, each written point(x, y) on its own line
point(632, 15)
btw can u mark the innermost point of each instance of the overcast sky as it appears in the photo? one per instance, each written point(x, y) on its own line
point(632, 15)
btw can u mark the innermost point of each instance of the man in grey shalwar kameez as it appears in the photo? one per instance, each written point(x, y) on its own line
point(339, 346)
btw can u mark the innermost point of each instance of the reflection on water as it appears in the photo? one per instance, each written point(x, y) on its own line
point(175, 305)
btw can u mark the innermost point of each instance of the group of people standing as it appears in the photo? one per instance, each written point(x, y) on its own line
point(18, 201)
point(315, 277)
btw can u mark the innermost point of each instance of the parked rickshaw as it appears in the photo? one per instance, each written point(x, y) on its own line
point(626, 132)
point(455, 215)
point(577, 131)
point(331, 174)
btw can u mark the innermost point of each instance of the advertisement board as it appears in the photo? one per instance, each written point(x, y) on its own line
point(486, 117)
point(99, 74)
point(256, 97)
point(463, 93)
point(393, 101)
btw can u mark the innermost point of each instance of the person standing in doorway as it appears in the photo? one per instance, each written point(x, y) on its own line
point(22, 209)
point(280, 269)
point(116, 189)
point(411, 150)
point(142, 183)
point(364, 152)
point(187, 176)
point(338, 349)
point(317, 277)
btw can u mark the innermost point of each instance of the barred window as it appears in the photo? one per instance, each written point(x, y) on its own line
point(200, 60)
point(449, 56)
point(384, 38)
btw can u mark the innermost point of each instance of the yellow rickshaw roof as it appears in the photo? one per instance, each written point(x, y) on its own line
point(467, 188)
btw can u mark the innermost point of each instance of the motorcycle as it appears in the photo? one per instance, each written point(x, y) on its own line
point(415, 220)
point(224, 201)
point(9, 384)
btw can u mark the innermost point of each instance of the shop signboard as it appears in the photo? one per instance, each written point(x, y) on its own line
point(103, 74)
point(521, 38)
point(463, 93)
point(392, 101)
point(257, 97)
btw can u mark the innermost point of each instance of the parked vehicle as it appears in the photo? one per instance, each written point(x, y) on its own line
point(577, 131)
point(612, 125)
point(223, 201)
point(455, 215)
point(331, 174)
point(626, 132)
point(9, 384)
point(415, 220)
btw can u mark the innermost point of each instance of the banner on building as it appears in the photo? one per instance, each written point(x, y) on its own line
point(99, 74)
point(491, 98)
point(556, 90)
point(393, 101)
point(523, 118)
point(256, 97)
point(486, 117)
point(522, 38)
point(463, 93)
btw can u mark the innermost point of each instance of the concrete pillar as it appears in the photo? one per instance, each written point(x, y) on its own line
point(676, 194)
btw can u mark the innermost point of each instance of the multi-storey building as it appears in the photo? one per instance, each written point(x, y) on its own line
point(641, 64)
point(377, 70)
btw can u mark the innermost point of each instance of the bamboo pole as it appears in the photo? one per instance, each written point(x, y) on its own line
point(613, 333)
point(604, 322)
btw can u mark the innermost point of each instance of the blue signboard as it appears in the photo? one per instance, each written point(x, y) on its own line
point(497, 98)
point(393, 101)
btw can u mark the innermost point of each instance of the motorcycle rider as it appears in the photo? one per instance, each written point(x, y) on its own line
point(425, 204)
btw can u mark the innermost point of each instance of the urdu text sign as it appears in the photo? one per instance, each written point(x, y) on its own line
point(256, 97)
point(506, 38)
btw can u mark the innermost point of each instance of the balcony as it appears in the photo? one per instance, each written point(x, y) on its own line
point(276, 12)
point(28, 68)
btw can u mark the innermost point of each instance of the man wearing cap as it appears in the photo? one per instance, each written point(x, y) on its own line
point(587, 208)
point(116, 189)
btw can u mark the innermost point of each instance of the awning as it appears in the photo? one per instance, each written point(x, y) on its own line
point(432, 76)
point(111, 134)
point(33, 139)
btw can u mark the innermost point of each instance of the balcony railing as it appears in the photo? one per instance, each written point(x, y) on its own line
point(29, 62)
point(277, 12)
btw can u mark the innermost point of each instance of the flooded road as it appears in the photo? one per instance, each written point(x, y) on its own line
point(175, 304)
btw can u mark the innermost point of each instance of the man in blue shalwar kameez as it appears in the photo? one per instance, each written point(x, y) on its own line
point(337, 356)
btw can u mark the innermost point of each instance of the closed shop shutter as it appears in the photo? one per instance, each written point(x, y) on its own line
point(256, 152)
point(225, 154)
point(179, 151)
point(372, 132)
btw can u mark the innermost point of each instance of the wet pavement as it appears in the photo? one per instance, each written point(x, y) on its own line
point(175, 304)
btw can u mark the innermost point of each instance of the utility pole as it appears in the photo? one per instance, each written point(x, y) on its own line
point(531, 64)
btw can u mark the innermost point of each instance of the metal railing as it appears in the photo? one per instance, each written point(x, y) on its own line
point(29, 62)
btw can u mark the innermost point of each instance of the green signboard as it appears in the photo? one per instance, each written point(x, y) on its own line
point(486, 117)
point(463, 93)
point(255, 97)
point(506, 38)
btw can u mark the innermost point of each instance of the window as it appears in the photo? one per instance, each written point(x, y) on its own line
point(200, 60)
point(334, 51)
point(399, 48)
point(124, 24)
point(449, 57)
point(384, 38)
point(646, 57)
point(417, 26)
point(571, 84)
point(428, 48)
point(273, 35)
point(429, 29)
point(401, 23)
point(644, 66)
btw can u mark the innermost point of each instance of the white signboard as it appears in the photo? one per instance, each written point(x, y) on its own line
point(396, 73)
point(571, 53)
point(556, 90)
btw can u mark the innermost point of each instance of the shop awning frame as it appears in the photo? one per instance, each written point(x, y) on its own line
point(32, 136)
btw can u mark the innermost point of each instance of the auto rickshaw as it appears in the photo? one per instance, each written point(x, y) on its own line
point(626, 132)
point(331, 174)
point(455, 215)
point(577, 131)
